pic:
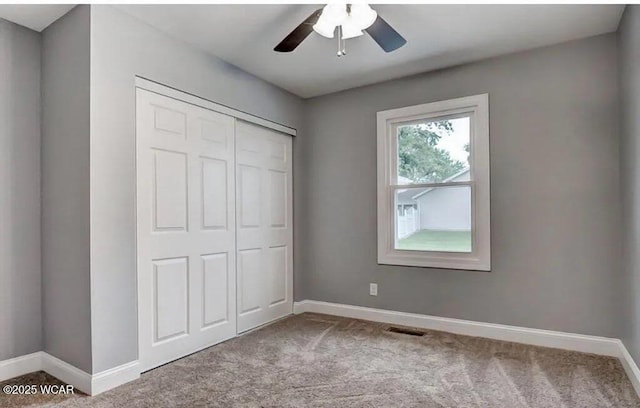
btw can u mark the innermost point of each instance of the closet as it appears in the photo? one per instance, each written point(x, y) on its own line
point(214, 225)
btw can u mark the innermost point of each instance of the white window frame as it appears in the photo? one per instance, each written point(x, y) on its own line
point(477, 108)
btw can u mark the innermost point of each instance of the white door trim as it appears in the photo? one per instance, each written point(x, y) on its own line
point(166, 90)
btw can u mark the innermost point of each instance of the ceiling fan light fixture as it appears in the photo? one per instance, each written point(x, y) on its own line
point(335, 12)
point(362, 15)
point(332, 16)
point(324, 27)
point(350, 29)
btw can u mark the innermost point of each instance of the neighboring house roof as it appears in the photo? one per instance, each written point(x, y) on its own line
point(406, 196)
point(411, 194)
point(455, 177)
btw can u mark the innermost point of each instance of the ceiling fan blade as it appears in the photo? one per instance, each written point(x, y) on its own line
point(386, 37)
point(298, 35)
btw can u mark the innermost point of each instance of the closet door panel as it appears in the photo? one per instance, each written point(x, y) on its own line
point(264, 199)
point(214, 210)
point(186, 228)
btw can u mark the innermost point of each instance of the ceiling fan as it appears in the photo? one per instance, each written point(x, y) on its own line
point(349, 20)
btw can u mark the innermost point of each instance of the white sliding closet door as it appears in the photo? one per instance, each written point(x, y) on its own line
point(186, 228)
point(264, 225)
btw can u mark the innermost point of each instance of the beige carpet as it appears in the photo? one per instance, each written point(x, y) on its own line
point(313, 360)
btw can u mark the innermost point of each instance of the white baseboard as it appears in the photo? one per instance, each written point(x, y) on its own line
point(536, 337)
point(81, 380)
point(545, 338)
point(22, 365)
point(64, 371)
point(114, 377)
point(630, 367)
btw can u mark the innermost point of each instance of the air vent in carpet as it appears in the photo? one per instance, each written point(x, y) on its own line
point(403, 330)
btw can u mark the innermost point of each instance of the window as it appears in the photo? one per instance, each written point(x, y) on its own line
point(433, 185)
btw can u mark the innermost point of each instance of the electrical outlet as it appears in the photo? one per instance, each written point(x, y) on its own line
point(373, 289)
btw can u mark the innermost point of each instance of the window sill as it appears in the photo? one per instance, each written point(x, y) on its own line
point(441, 260)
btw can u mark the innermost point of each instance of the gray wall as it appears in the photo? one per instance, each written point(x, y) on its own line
point(20, 307)
point(629, 64)
point(554, 177)
point(123, 47)
point(65, 188)
point(554, 201)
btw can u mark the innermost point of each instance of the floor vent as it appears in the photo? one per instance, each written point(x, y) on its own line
point(403, 330)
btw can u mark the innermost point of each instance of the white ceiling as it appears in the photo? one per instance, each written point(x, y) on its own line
point(438, 36)
point(34, 16)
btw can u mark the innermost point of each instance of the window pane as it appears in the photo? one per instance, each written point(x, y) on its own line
point(434, 151)
point(433, 219)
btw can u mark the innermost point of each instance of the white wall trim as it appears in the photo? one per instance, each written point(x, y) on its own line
point(536, 337)
point(114, 377)
point(630, 367)
point(64, 371)
point(15, 367)
point(81, 380)
point(166, 90)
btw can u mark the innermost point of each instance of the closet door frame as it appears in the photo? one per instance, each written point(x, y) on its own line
point(165, 90)
point(168, 91)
